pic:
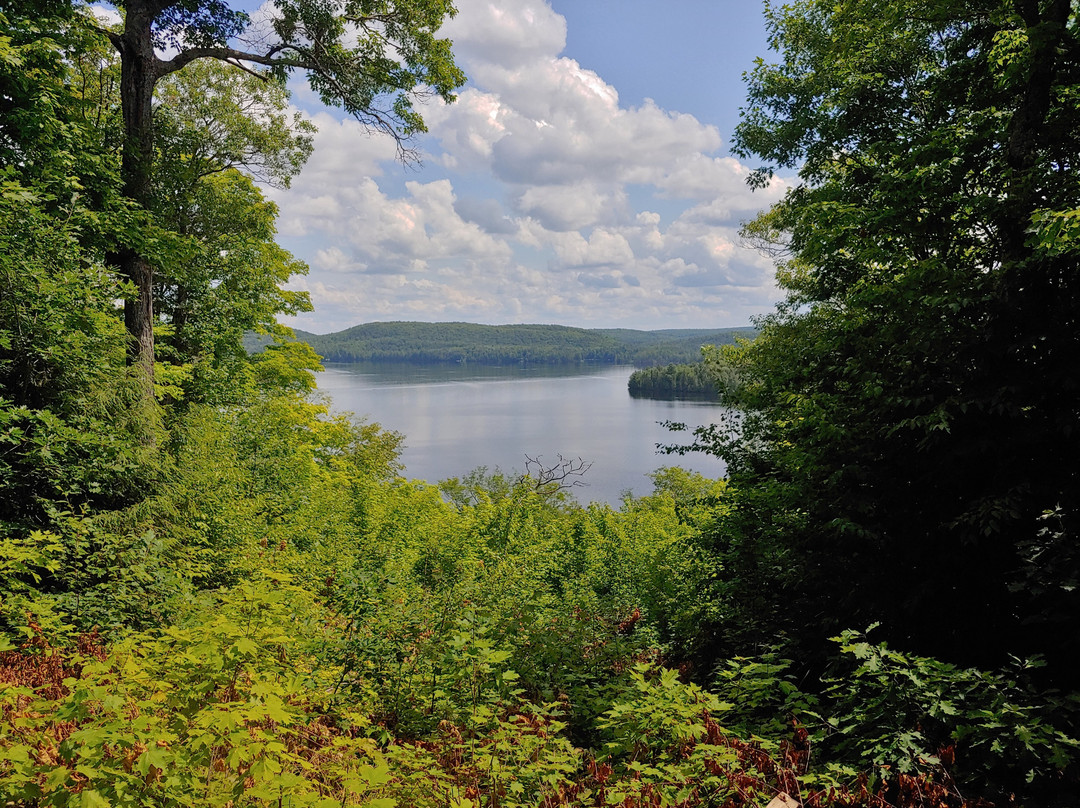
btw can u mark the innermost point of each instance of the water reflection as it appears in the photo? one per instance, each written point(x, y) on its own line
point(457, 417)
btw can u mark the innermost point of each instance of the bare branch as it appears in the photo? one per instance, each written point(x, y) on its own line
point(549, 480)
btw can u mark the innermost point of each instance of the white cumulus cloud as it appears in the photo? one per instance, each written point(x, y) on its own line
point(543, 198)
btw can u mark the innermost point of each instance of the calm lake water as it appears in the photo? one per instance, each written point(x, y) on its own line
point(457, 418)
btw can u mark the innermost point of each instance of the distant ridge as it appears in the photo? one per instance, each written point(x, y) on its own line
point(470, 343)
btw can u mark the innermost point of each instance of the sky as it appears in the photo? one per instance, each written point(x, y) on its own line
point(583, 177)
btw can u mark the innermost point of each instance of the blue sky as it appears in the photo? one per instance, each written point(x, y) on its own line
point(583, 177)
point(688, 55)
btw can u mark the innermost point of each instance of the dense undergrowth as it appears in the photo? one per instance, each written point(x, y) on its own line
point(287, 621)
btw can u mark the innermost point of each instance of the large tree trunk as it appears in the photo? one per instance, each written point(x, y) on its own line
point(139, 73)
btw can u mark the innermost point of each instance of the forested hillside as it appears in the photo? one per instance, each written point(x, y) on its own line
point(213, 592)
point(425, 343)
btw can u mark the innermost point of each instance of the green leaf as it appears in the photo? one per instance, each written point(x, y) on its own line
point(56, 778)
point(93, 799)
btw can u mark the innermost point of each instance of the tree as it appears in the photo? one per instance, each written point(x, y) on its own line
point(210, 117)
point(218, 271)
point(65, 440)
point(224, 275)
point(46, 144)
point(371, 57)
point(65, 400)
point(226, 281)
point(912, 406)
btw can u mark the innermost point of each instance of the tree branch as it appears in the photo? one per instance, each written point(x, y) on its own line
point(112, 36)
point(379, 120)
point(248, 70)
point(549, 480)
point(232, 56)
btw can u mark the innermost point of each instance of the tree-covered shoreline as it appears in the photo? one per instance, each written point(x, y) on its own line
point(473, 343)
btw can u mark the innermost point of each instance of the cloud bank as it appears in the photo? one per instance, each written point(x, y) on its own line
point(541, 199)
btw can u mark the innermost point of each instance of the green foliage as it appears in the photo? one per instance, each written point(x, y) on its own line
point(764, 693)
point(521, 576)
point(119, 572)
point(515, 753)
point(272, 478)
point(886, 712)
point(660, 714)
point(670, 749)
point(233, 598)
point(372, 72)
point(479, 485)
point(224, 274)
point(225, 280)
point(227, 706)
point(649, 348)
point(46, 143)
point(210, 118)
point(64, 391)
point(903, 712)
point(906, 415)
point(674, 381)
point(23, 564)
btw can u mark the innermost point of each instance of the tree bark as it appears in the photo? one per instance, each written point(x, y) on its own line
point(138, 75)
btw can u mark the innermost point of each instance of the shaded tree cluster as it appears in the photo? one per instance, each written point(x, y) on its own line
point(675, 381)
point(908, 413)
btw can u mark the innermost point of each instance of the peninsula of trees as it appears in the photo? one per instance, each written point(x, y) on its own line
point(696, 380)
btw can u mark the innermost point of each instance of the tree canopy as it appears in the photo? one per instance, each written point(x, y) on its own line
point(913, 404)
point(373, 58)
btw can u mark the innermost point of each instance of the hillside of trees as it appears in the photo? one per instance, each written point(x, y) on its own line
point(469, 343)
point(214, 592)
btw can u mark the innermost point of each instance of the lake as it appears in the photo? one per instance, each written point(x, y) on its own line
point(456, 418)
